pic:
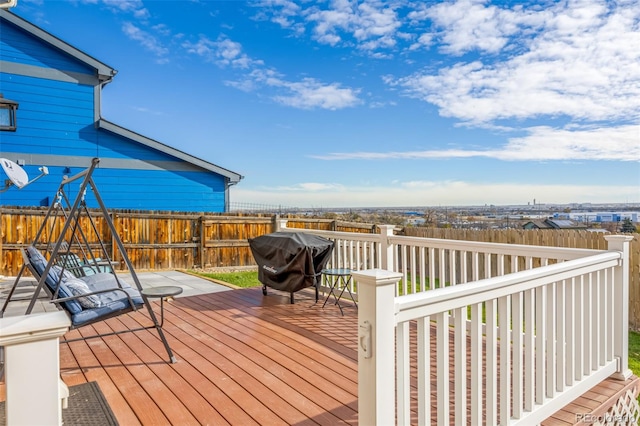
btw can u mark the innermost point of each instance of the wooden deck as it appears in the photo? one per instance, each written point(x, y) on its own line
point(242, 359)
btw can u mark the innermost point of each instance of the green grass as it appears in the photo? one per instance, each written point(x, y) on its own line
point(410, 286)
point(242, 279)
point(634, 352)
point(247, 279)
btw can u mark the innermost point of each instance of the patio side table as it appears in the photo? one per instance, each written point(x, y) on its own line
point(162, 292)
point(338, 280)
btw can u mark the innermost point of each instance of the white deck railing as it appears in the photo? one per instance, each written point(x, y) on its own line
point(529, 328)
point(35, 393)
point(429, 263)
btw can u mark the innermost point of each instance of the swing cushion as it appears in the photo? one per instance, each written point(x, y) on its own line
point(39, 263)
point(111, 302)
point(107, 281)
point(96, 306)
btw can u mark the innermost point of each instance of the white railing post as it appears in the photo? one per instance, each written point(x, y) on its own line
point(621, 305)
point(386, 247)
point(281, 224)
point(32, 368)
point(376, 353)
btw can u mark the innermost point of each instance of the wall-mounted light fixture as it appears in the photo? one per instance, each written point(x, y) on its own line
point(7, 114)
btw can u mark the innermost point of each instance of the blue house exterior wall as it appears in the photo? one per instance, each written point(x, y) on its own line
point(19, 48)
point(53, 117)
point(58, 127)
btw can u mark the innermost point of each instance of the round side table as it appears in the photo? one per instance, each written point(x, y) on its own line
point(162, 292)
point(338, 280)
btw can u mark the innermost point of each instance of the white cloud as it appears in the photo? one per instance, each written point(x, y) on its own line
point(223, 52)
point(430, 193)
point(424, 41)
point(369, 24)
point(307, 93)
point(246, 85)
point(327, 22)
point(281, 12)
point(147, 40)
point(135, 32)
point(230, 53)
point(162, 29)
point(310, 94)
point(376, 25)
point(546, 143)
point(135, 7)
point(146, 110)
point(373, 24)
point(542, 143)
point(309, 187)
point(469, 25)
point(582, 61)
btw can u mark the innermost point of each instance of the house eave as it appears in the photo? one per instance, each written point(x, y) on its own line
point(104, 72)
point(232, 177)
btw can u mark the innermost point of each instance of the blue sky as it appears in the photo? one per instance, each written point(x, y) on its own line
point(378, 103)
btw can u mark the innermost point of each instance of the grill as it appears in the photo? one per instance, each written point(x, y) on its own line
point(290, 261)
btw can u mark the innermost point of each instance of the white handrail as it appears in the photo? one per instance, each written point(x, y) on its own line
point(429, 263)
point(418, 305)
point(562, 253)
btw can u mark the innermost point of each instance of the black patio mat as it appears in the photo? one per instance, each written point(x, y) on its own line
point(87, 407)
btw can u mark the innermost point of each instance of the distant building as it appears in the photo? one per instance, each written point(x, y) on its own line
point(599, 217)
point(415, 221)
point(57, 91)
point(553, 224)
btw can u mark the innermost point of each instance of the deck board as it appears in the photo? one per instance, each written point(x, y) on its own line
point(243, 359)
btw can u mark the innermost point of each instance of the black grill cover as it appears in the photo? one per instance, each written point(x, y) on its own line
point(290, 261)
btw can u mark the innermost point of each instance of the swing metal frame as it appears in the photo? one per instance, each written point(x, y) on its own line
point(72, 214)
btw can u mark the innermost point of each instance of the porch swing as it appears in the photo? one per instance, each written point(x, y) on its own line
point(85, 286)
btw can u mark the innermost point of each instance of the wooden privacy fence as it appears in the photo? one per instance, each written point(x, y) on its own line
point(156, 240)
point(170, 240)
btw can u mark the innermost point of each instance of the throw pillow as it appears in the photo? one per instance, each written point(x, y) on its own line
point(66, 275)
point(80, 288)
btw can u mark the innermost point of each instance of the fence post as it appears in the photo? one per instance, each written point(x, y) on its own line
point(32, 368)
point(112, 243)
point(386, 249)
point(376, 354)
point(621, 305)
point(202, 246)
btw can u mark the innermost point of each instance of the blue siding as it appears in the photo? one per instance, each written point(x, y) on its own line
point(39, 193)
point(114, 146)
point(53, 117)
point(161, 190)
point(56, 118)
point(129, 189)
point(19, 47)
